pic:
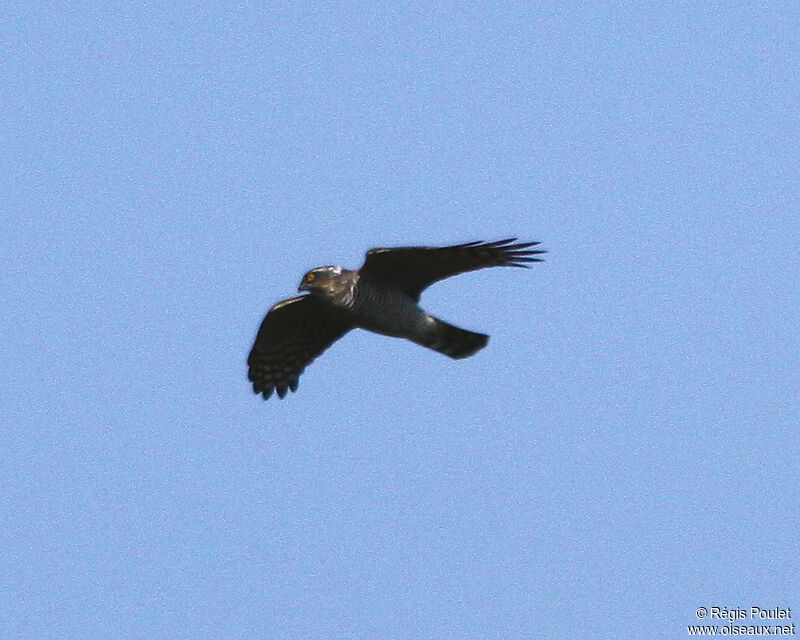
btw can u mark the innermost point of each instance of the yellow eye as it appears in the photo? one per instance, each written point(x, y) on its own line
point(310, 277)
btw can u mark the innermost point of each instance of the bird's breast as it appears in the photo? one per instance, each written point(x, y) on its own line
point(386, 311)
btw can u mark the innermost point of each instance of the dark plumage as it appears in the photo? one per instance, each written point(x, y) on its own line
point(381, 297)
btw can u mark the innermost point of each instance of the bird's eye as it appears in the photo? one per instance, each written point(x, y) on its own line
point(310, 277)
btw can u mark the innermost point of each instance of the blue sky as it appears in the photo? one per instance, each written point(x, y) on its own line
point(624, 451)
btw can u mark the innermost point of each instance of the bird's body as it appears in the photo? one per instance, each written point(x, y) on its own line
point(387, 311)
point(382, 297)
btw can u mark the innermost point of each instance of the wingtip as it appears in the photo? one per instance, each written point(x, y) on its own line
point(280, 390)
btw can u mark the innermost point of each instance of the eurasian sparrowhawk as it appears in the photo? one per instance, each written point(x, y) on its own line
point(382, 296)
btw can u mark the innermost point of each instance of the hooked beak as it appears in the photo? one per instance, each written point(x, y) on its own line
point(302, 287)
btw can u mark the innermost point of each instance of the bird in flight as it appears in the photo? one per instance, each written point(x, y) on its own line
point(382, 296)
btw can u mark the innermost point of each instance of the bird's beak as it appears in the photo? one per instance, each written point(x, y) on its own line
point(302, 287)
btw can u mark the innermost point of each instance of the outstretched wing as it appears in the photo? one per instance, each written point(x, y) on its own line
point(412, 269)
point(294, 332)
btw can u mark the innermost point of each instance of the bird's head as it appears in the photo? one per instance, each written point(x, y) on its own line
point(320, 280)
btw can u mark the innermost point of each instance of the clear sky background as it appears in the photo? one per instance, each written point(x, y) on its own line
point(624, 451)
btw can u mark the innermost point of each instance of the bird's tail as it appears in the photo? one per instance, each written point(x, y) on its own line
point(452, 341)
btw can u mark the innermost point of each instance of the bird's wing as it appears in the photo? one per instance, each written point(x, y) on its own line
point(412, 269)
point(292, 335)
